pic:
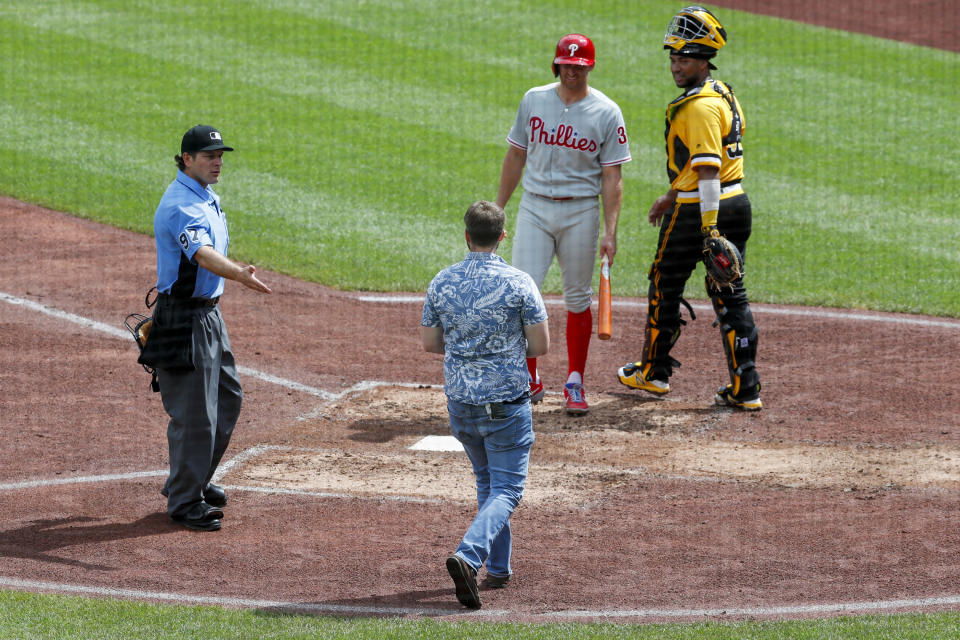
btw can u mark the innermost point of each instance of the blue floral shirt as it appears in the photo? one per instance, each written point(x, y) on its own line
point(482, 304)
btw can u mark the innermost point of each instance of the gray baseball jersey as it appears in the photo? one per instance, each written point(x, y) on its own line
point(567, 146)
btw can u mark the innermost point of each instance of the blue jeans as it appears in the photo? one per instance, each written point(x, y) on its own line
point(500, 453)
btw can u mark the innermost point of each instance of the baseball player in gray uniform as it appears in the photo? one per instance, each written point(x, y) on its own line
point(571, 139)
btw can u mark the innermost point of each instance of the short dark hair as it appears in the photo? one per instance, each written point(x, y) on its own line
point(484, 222)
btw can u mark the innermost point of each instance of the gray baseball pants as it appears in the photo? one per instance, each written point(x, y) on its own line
point(566, 229)
point(203, 406)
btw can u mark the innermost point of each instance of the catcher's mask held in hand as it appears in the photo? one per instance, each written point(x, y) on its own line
point(139, 326)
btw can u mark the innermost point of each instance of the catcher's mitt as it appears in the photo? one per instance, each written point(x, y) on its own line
point(723, 262)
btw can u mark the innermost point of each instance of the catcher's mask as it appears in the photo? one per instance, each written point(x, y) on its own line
point(573, 49)
point(696, 33)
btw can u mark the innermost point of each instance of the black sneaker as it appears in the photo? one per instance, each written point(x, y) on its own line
point(495, 582)
point(465, 581)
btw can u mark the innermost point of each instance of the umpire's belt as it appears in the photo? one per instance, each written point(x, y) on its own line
point(192, 303)
point(727, 189)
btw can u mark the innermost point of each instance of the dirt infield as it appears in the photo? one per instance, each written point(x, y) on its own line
point(931, 23)
point(840, 496)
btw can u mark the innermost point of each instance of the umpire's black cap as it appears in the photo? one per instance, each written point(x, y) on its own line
point(202, 138)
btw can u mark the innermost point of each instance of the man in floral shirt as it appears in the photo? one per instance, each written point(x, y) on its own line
point(487, 317)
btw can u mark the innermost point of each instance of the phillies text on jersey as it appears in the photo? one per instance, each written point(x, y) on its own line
point(568, 145)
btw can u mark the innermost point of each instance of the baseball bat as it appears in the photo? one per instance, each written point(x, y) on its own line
point(605, 317)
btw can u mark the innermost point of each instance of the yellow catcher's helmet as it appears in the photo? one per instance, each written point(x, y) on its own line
point(695, 32)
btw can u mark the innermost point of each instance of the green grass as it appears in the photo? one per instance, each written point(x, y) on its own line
point(26, 615)
point(364, 129)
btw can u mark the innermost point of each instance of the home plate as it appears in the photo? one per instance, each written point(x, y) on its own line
point(437, 443)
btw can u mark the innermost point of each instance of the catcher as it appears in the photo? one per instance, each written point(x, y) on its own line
point(705, 215)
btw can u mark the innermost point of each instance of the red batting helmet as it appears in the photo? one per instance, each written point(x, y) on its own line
point(574, 49)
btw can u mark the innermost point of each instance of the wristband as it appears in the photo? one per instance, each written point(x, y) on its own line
point(709, 202)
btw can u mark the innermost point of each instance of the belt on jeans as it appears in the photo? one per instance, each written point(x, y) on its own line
point(523, 397)
point(197, 303)
point(495, 409)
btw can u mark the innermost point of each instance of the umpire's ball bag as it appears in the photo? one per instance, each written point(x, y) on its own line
point(170, 343)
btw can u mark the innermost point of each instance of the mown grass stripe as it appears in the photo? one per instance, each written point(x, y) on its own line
point(365, 129)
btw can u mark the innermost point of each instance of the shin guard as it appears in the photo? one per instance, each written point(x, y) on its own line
point(657, 363)
point(739, 335)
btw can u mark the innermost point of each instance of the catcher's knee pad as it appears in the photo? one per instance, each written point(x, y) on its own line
point(730, 300)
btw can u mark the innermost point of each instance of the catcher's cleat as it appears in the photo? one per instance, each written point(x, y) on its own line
point(575, 399)
point(536, 392)
point(634, 376)
point(749, 402)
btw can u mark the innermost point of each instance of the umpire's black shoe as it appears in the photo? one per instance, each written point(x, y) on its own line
point(201, 517)
point(214, 495)
point(465, 581)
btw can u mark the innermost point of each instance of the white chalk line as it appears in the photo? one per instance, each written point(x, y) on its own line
point(245, 603)
point(17, 583)
point(53, 482)
point(225, 468)
point(257, 450)
point(65, 315)
point(247, 371)
point(122, 333)
point(321, 608)
point(759, 309)
point(785, 610)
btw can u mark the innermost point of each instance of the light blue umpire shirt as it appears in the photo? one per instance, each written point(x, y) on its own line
point(482, 304)
point(188, 217)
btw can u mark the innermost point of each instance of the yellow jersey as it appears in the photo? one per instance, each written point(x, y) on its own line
point(704, 128)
